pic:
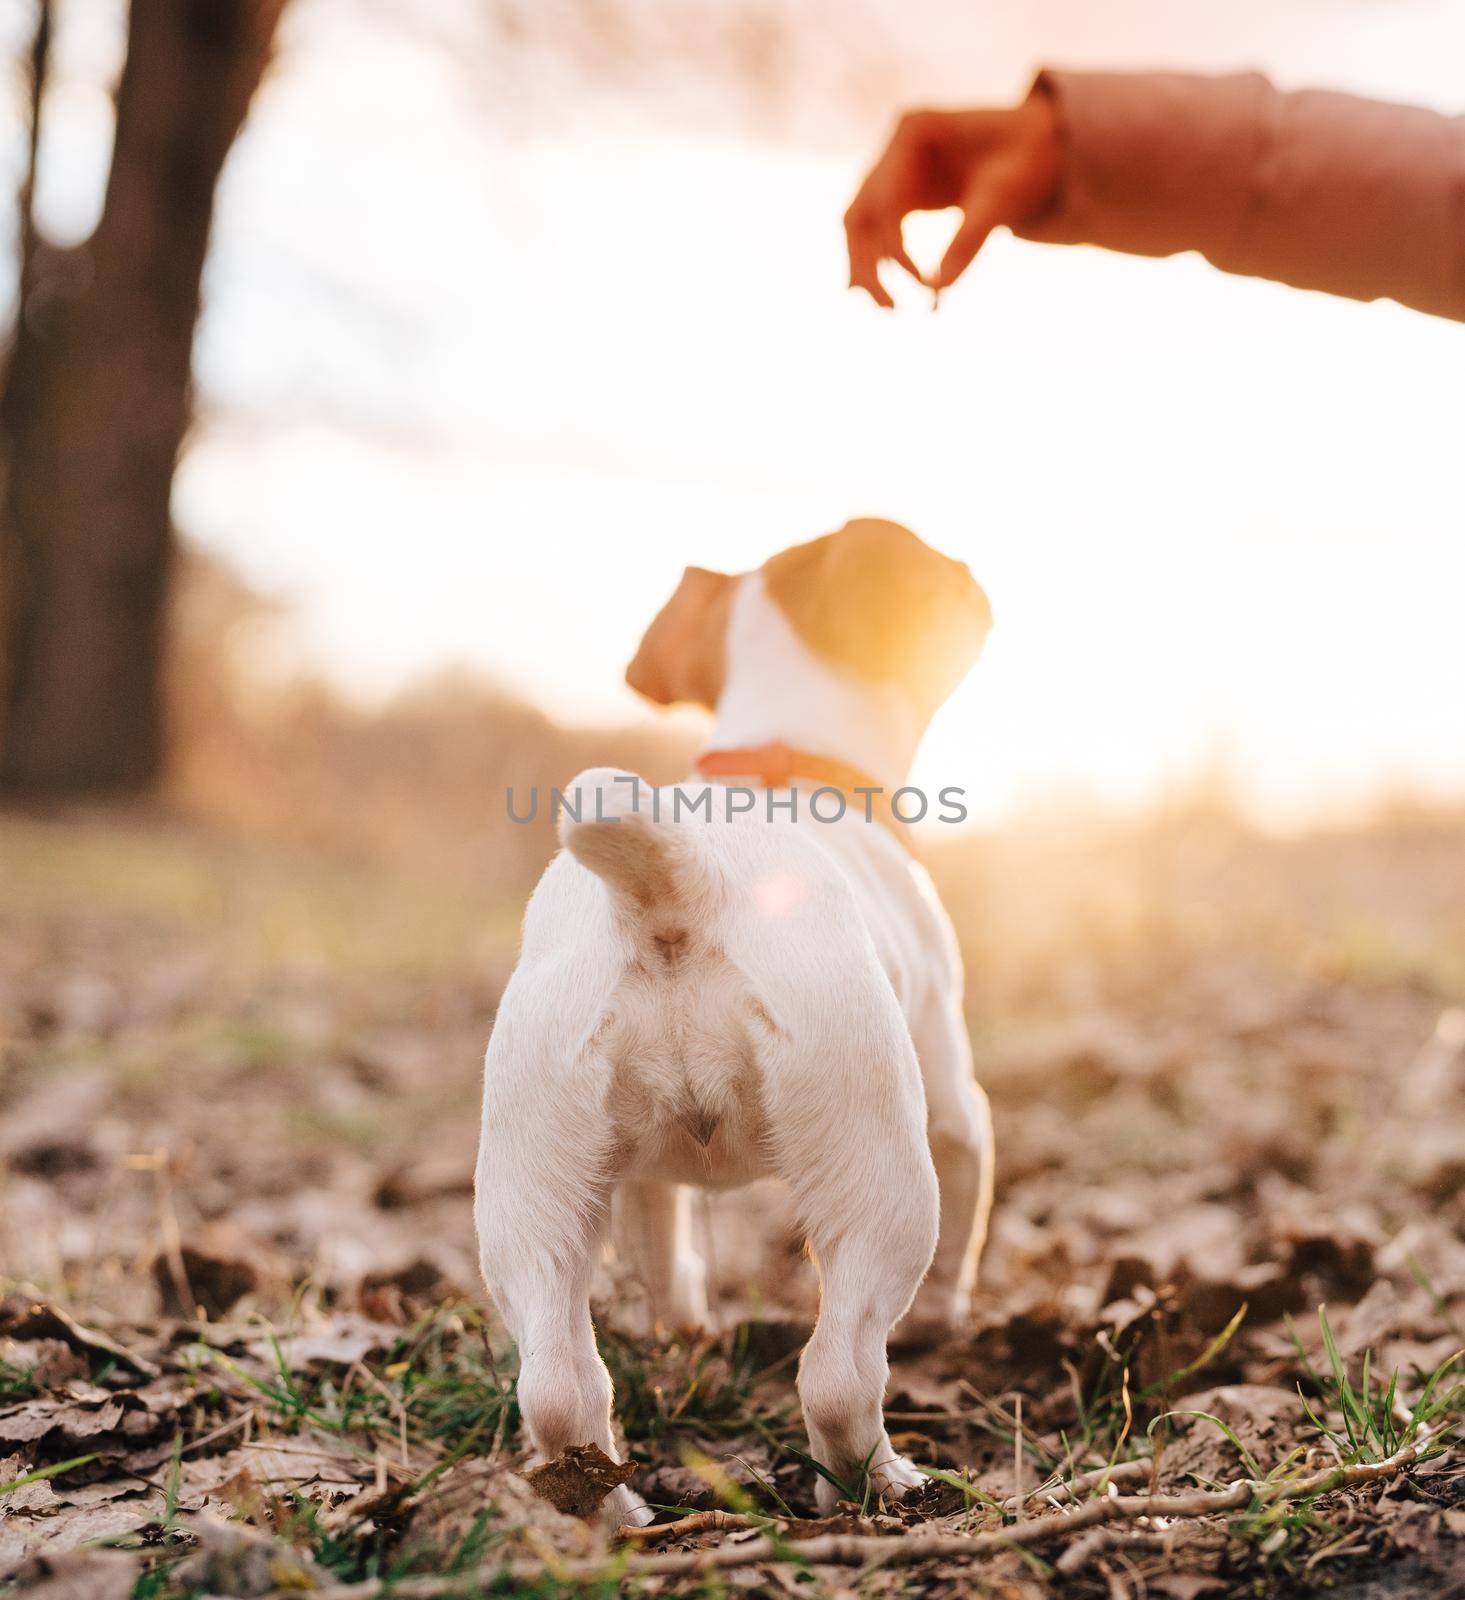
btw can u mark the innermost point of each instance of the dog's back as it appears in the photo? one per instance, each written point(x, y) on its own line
point(706, 947)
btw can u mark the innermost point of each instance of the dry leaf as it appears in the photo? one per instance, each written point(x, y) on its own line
point(455, 1506)
point(40, 1319)
point(216, 1281)
point(238, 1561)
point(78, 1575)
point(577, 1481)
point(345, 1339)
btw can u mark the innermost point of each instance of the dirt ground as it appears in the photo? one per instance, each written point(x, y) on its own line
point(242, 1350)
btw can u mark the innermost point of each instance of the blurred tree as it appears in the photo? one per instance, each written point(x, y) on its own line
point(96, 399)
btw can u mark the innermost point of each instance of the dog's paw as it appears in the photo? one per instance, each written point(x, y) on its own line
point(686, 1309)
point(895, 1478)
point(682, 1313)
point(624, 1508)
point(891, 1478)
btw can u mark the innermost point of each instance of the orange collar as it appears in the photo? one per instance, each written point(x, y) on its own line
point(776, 765)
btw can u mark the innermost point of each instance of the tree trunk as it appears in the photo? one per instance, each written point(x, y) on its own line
point(94, 408)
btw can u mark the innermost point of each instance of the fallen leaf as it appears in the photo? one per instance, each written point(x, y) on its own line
point(40, 1319)
point(238, 1561)
point(53, 1535)
point(78, 1575)
point(47, 1362)
point(27, 1422)
point(345, 1339)
point(454, 1507)
point(216, 1281)
point(577, 1481)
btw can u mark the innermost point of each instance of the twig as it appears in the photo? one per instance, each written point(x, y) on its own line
point(231, 1426)
point(501, 1423)
point(697, 1522)
point(858, 1550)
point(1076, 1488)
point(1115, 1585)
point(1017, 1473)
point(170, 1234)
point(395, 1403)
point(1100, 1541)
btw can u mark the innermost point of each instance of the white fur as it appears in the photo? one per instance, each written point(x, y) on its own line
point(777, 688)
point(706, 1003)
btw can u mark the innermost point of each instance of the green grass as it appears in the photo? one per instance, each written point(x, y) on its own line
point(441, 1384)
point(1355, 1416)
point(1355, 1420)
point(40, 1474)
point(446, 1388)
point(1370, 1425)
point(16, 1382)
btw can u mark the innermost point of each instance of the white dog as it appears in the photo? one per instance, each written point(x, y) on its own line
point(707, 996)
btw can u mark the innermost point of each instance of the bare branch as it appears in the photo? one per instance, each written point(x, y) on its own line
point(684, 1527)
point(1102, 1541)
point(1122, 1472)
point(858, 1550)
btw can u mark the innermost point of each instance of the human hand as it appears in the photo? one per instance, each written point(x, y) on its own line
point(999, 166)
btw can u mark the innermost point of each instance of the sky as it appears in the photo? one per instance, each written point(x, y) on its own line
point(492, 350)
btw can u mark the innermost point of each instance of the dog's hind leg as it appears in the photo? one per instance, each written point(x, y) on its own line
point(861, 1174)
point(564, 1387)
point(652, 1228)
point(541, 1206)
point(959, 1130)
point(843, 1369)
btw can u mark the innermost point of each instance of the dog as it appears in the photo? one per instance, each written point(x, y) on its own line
point(708, 997)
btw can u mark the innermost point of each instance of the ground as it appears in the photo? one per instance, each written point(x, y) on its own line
point(243, 1351)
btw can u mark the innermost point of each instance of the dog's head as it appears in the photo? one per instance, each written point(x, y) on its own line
point(872, 600)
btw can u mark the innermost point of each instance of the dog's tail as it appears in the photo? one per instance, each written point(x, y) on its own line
point(608, 823)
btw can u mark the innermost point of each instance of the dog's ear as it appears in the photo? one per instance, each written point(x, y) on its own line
point(682, 655)
point(875, 599)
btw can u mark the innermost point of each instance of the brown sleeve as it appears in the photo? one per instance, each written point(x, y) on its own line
point(1321, 190)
